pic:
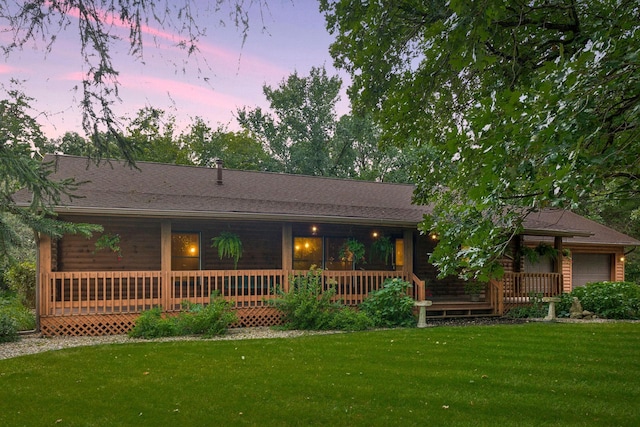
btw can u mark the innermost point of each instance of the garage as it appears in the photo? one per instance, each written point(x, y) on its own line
point(590, 268)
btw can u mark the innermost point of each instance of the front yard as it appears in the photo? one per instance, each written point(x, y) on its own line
point(527, 374)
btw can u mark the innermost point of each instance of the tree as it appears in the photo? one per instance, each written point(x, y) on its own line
point(511, 106)
point(151, 136)
point(361, 156)
point(237, 149)
point(21, 168)
point(102, 25)
point(299, 133)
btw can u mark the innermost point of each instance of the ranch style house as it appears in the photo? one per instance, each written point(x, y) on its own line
point(159, 222)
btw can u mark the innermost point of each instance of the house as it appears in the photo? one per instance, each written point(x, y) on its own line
point(165, 217)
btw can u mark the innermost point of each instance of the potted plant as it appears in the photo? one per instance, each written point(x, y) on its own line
point(383, 248)
point(229, 245)
point(474, 289)
point(111, 242)
point(352, 251)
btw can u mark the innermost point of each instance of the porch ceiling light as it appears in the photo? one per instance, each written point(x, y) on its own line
point(375, 234)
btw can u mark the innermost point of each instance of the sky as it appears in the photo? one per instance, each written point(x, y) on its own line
point(225, 75)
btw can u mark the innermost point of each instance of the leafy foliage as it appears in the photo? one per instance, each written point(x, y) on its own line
point(229, 245)
point(390, 305)
point(238, 150)
point(99, 24)
point(21, 168)
point(611, 300)
point(16, 315)
point(21, 278)
point(111, 242)
point(383, 248)
point(8, 328)
point(212, 319)
point(536, 309)
point(194, 319)
point(308, 306)
point(511, 107)
point(353, 251)
point(350, 319)
point(152, 324)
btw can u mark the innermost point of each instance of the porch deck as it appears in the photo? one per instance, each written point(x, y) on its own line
point(95, 303)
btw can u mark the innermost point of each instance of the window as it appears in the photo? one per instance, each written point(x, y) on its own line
point(399, 254)
point(307, 251)
point(332, 256)
point(185, 251)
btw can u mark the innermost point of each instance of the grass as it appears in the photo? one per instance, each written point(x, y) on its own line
point(522, 375)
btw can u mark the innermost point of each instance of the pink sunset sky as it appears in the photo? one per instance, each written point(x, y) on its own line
point(224, 76)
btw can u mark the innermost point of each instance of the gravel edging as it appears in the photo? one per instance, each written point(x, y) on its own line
point(35, 343)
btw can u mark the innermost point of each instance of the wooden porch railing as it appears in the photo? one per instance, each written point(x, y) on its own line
point(105, 292)
point(99, 292)
point(519, 288)
point(77, 293)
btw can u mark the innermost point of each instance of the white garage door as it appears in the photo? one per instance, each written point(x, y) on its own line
point(590, 268)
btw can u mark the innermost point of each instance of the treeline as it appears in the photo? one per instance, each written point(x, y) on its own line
point(301, 134)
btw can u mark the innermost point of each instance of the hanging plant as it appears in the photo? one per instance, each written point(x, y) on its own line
point(383, 248)
point(353, 251)
point(110, 241)
point(229, 245)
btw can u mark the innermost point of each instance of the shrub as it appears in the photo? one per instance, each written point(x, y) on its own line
point(611, 300)
point(11, 306)
point(151, 324)
point(21, 278)
point(212, 319)
point(8, 328)
point(350, 319)
point(390, 306)
point(306, 306)
point(195, 319)
point(536, 309)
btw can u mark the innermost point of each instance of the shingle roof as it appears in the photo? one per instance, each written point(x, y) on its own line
point(164, 190)
point(584, 230)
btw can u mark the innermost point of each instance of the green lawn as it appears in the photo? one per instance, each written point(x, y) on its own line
point(527, 375)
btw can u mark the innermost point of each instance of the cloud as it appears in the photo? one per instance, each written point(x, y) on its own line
point(7, 69)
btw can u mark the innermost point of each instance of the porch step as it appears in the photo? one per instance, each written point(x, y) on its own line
point(459, 309)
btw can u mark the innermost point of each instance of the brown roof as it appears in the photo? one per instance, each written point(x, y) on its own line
point(186, 191)
point(164, 190)
point(579, 229)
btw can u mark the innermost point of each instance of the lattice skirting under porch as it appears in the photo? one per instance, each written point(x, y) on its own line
point(257, 316)
point(115, 324)
point(97, 324)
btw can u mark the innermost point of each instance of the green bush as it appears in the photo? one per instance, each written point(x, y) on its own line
point(8, 328)
point(534, 310)
point(306, 306)
point(195, 319)
point(11, 306)
point(350, 319)
point(611, 300)
point(152, 324)
point(390, 306)
point(212, 319)
point(21, 278)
